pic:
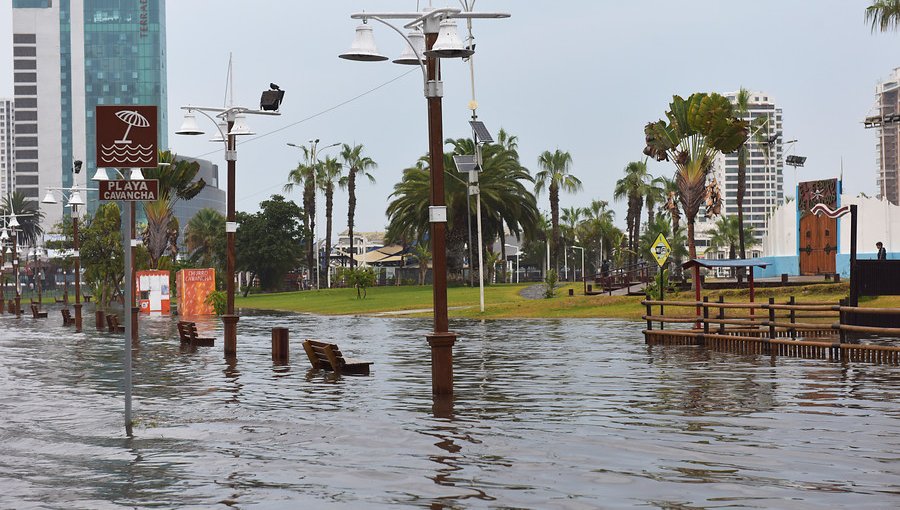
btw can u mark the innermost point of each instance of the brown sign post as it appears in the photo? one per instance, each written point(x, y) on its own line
point(127, 136)
point(130, 191)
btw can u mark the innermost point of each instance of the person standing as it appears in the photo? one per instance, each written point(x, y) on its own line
point(882, 253)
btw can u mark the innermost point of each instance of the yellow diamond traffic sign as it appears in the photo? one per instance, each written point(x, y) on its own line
point(661, 250)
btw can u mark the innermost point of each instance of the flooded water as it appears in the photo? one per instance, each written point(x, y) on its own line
point(547, 414)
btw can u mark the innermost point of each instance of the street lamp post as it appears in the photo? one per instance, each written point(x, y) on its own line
point(440, 41)
point(230, 126)
point(73, 196)
point(583, 279)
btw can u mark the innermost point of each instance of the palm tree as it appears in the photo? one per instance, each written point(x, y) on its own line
point(555, 176)
point(176, 182)
point(675, 237)
point(727, 235)
point(329, 175)
point(884, 15)
point(204, 239)
point(357, 165)
point(695, 131)
point(632, 188)
point(506, 202)
point(654, 196)
point(760, 133)
point(304, 175)
point(27, 214)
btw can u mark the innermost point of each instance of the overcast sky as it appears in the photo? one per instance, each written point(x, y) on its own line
point(583, 76)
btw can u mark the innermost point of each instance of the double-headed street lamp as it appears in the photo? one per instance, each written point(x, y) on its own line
point(231, 124)
point(73, 196)
point(440, 40)
point(12, 225)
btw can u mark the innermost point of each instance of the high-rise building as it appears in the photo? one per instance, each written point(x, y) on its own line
point(887, 101)
point(68, 57)
point(7, 146)
point(764, 166)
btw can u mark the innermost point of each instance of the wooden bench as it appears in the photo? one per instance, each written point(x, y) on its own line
point(328, 357)
point(187, 332)
point(37, 313)
point(87, 298)
point(68, 320)
point(112, 321)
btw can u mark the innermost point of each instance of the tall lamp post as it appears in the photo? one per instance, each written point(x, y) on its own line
point(230, 125)
point(73, 196)
point(314, 164)
point(440, 40)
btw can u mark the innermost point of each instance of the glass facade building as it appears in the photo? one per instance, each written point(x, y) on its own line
point(69, 56)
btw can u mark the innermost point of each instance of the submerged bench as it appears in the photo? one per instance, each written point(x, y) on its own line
point(112, 321)
point(327, 356)
point(68, 320)
point(37, 313)
point(187, 332)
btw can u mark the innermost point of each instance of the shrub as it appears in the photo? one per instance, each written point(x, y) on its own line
point(550, 284)
point(218, 300)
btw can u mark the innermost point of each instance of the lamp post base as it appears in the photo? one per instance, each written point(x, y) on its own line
point(230, 322)
point(2, 306)
point(18, 307)
point(441, 362)
point(100, 320)
point(78, 317)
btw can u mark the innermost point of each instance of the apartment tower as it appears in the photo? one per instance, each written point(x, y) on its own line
point(68, 57)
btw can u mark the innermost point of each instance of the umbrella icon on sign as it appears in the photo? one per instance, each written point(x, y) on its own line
point(133, 119)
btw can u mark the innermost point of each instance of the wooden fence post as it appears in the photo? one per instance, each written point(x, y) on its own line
point(721, 315)
point(792, 301)
point(705, 315)
point(771, 319)
point(649, 314)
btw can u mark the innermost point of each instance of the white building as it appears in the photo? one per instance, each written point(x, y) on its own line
point(765, 166)
point(7, 146)
point(878, 221)
point(887, 102)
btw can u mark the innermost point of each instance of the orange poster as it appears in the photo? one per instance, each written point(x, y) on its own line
point(193, 287)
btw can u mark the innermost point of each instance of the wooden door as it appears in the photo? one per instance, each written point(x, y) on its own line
point(818, 245)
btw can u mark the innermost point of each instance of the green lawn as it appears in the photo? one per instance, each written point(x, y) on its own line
point(500, 301)
point(503, 301)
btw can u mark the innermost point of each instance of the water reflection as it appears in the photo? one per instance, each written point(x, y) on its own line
point(547, 414)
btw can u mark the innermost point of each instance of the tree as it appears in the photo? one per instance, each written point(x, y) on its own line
point(423, 255)
point(361, 278)
point(268, 242)
point(176, 182)
point(329, 175)
point(357, 166)
point(102, 253)
point(205, 239)
point(304, 176)
point(727, 234)
point(695, 131)
point(884, 15)
point(27, 214)
point(760, 132)
point(506, 202)
point(632, 188)
point(555, 176)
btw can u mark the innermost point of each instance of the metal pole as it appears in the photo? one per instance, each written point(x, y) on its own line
point(129, 297)
point(133, 303)
point(480, 248)
point(315, 211)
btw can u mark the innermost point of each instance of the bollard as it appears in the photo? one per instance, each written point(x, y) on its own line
point(784, 277)
point(280, 345)
point(590, 288)
point(837, 277)
point(100, 320)
point(571, 292)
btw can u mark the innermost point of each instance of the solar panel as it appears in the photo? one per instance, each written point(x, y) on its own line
point(795, 161)
point(481, 133)
point(465, 163)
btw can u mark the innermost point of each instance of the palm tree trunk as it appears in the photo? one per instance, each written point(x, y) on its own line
point(554, 221)
point(741, 191)
point(351, 211)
